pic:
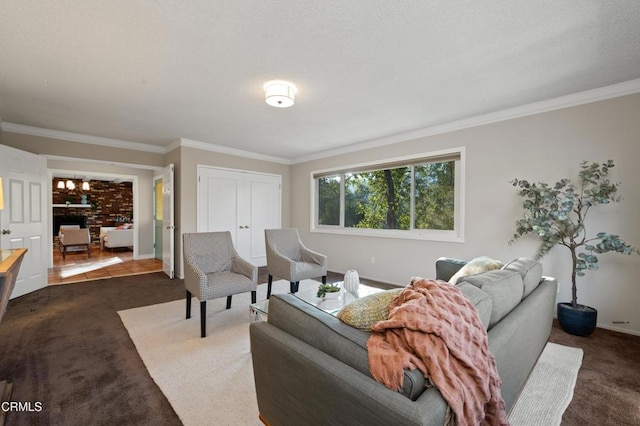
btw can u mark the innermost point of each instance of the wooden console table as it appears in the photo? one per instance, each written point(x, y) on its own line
point(10, 261)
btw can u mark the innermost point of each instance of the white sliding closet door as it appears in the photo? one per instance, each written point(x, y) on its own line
point(244, 203)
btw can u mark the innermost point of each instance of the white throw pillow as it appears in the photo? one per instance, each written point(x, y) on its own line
point(476, 266)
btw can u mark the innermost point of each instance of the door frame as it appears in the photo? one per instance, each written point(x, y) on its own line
point(169, 269)
point(135, 189)
point(155, 180)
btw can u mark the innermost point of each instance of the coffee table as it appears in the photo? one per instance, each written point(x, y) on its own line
point(331, 304)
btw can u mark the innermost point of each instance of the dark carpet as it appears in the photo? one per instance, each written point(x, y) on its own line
point(608, 387)
point(65, 346)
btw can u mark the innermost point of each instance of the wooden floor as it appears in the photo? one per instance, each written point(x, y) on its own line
point(78, 266)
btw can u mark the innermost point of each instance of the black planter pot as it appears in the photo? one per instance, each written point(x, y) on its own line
point(579, 322)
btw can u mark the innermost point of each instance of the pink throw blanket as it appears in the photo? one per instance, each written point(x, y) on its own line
point(432, 326)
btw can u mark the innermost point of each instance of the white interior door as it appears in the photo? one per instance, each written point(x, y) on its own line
point(243, 203)
point(24, 221)
point(264, 212)
point(168, 224)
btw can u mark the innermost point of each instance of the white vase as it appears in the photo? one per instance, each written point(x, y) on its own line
point(351, 281)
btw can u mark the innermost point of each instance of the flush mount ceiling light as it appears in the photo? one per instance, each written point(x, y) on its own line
point(279, 93)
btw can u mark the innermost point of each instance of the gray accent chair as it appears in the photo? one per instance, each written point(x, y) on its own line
point(289, 259)
point(213, 269)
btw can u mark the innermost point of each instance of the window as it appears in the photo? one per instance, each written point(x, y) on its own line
point(413, 197)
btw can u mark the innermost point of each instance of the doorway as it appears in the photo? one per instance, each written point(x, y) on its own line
point(157, 218)
point(100, 202)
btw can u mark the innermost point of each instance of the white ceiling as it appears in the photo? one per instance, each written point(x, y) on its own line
point(154, 71)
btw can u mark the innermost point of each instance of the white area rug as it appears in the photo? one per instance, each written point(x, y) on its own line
point(210, 381)
point(549, 389)
point(207, 381)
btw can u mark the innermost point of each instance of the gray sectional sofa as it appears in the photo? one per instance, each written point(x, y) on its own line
point(312, 369)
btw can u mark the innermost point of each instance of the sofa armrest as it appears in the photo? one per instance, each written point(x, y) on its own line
point(119, 238)
point(299, 384)
point(446, 267)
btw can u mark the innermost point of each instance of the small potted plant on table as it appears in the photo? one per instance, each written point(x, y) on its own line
point(557, 215)
point(328, 290)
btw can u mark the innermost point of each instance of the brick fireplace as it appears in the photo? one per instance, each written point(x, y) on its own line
point(107, 204)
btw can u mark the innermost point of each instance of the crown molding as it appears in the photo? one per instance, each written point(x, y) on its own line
point(231, 151)
point(589, 96)
point(107, 162)
point(173, 145)
point(78, 137)
point(116, 143)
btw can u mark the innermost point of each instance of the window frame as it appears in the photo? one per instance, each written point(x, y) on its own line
point(456, 235)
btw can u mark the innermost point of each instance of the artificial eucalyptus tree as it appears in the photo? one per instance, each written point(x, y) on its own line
point(557, 214)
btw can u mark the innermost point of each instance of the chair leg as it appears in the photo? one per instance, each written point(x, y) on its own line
point(188, 304)
point(324, 279)
point(203, 319)
point(253, 296)
point(88, 250)
point(228, 302)
point(269, 286)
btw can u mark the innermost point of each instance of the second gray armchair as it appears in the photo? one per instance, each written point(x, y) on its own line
point(288, 258)
point(213, 269)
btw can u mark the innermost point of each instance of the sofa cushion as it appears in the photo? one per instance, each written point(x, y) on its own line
point(480, 299)
point(363, 313)
point(476, 266)
point(529, 270)
point(505, 288)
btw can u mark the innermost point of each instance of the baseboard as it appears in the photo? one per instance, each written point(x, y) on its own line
point(618, 329)
point(145, 256)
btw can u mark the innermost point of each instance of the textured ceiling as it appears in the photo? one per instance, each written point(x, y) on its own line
point(153, 71)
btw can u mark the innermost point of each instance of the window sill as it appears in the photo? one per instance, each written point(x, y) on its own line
point(442, 236)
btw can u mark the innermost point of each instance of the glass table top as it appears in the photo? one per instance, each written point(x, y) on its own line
point(331, 304)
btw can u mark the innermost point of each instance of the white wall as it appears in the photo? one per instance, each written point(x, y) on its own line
point(545, 147)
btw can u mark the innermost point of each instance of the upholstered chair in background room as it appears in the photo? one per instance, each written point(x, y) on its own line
point(289, 259)
point(76, 238)
point(213, 269)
